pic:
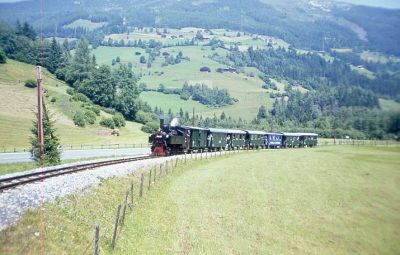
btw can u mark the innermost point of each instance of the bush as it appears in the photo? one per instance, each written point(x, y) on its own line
point(150, 127)
point(80, 97)
point(96, 109)
point(53, 100)
point(109, 110)
point(205, 69)
point(79, 119)
point(60, 74)
point(70, 91)
point(31, 83)
point(119, 120)
point(3, 57)
point(144, 117)
point(107, 122)
point(90, 117)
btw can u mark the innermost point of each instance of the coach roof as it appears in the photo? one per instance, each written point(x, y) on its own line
point(226, 131)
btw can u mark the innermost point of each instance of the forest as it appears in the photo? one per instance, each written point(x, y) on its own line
point(299, 25)
point(338, 101)
point(311, 71)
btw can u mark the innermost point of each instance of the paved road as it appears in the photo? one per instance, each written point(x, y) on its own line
point(6, 158)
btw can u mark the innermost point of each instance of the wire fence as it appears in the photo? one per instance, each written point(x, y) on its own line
point(321, 141)
point(350, 142)
point(82, 147)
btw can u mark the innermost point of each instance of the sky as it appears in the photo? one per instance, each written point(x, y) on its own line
point(379, 3)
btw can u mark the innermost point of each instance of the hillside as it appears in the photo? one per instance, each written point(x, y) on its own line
point(17, 106)
point(302, 23)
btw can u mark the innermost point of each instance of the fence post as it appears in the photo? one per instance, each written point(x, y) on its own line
point(191, 155)
point(176, 162)
point(124, 210)
point(132, 203)
point(141, 185)
point(115, 227)
point(96, 239)
point(160, 170)
point(149, 180)
point(166, 167)
point(201, 154)
point(155, 173)
point(185, 157)
point(172, 165)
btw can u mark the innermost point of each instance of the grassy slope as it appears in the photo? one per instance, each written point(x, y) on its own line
point(389, 105)
point(17, 104)
point(247, 89)
point(86, 24)
point(327, 200)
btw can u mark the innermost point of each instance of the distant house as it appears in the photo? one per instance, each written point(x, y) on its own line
point(205, 69)
point(227, 69)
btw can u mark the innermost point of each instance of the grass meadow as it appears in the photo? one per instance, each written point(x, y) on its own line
point(18, 104)
point(241, 86)
point(325, 200)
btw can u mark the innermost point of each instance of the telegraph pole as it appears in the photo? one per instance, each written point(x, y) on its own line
point(193, 118)
point(40, 110)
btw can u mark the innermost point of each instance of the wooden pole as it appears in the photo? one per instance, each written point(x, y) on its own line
point(155, 173)
point(124, 210)
point(40, 110)
point(96, 239)
point(149, 180)
point(115, 227)
point(141, 185)
point(132, 202)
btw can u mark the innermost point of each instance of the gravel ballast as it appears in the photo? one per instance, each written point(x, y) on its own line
point(15, 202)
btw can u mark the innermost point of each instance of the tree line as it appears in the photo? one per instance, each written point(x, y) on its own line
point(116, 89)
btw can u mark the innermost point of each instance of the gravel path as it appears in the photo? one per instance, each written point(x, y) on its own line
point(14, 202)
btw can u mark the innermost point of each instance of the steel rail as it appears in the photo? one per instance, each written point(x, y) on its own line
point(12, 182)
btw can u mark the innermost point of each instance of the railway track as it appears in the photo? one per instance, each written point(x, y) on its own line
point(15, 181)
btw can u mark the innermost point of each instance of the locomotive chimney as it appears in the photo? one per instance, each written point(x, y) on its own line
point(161, 121)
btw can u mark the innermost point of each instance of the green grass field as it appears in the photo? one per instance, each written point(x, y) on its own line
point(86, 24)
point(241, 86)
point(389, 105)
point(326, 200)
point(18, 103)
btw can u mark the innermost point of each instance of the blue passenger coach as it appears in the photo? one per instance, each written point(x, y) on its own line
point(273, 140)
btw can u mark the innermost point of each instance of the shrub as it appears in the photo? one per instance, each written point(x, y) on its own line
point(31, 83)
point(144, 117)
point(3, 57)
point(79, 119)
point(53, 100)
point(96, 109)
point(205, 69)
point(80, 97)
point(107, 122)
point(60, 74)
point(70, 91)
point(90, 117)
point(119, 120)
point(109, 110)
point(150, 127)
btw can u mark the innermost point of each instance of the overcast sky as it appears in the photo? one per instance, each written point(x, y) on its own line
point(379, 3)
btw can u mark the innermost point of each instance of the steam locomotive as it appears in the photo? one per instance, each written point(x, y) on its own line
point(175, 139)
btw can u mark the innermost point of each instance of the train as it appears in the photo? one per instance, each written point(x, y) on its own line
point(176, 139)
